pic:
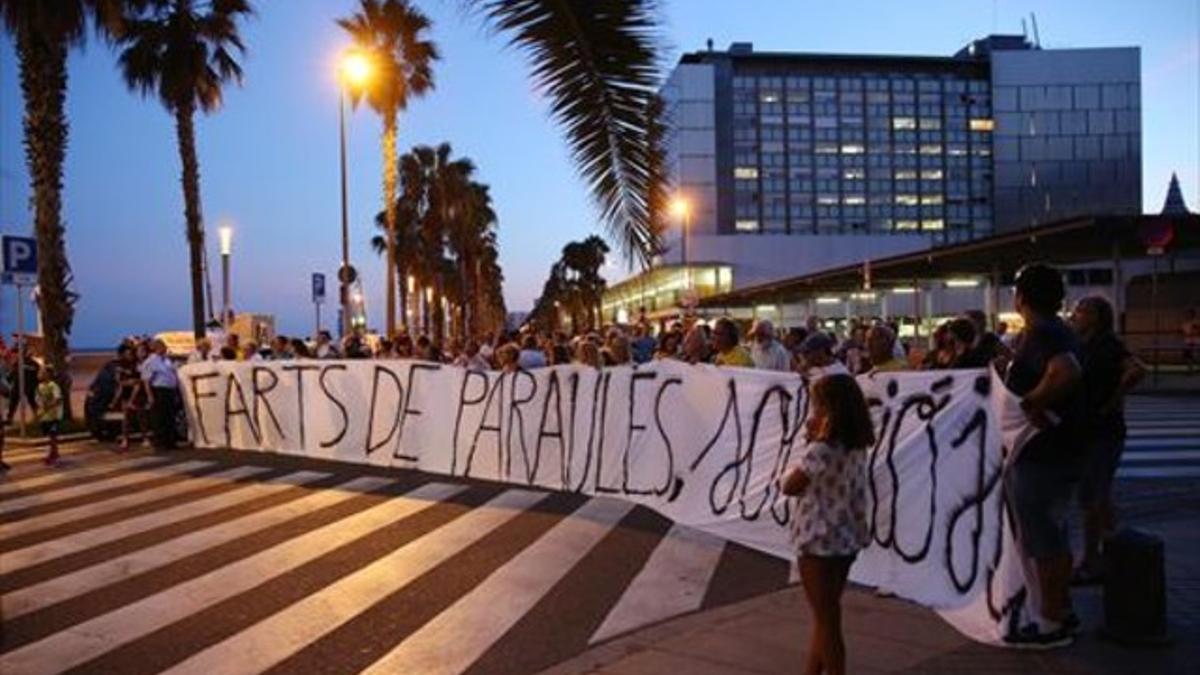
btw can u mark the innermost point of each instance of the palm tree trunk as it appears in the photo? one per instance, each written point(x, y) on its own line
point(391, 174)
point(404, 301)
point(43, 76)
point(186, 132)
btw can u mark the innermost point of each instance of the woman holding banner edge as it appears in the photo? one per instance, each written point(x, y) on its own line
point(829, 483)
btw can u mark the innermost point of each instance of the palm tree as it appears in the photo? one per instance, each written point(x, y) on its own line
point(598, 63)
point(44, 32)
point(390, 33)
point(183, 52)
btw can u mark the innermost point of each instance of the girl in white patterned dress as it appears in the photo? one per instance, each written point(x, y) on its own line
point(829, 524)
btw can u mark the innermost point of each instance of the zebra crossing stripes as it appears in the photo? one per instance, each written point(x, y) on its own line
point(286, 632)
point(1163, 438)
point(317, 567)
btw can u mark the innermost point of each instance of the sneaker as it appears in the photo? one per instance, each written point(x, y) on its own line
point(1030, 636)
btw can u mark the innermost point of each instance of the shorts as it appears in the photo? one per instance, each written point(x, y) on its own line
point(1104, 456)
point(1039, 494)
point(50, 427)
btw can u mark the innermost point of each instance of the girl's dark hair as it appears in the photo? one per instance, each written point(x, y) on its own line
point(849, 419)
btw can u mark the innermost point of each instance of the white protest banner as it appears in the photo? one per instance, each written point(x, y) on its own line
point(701, 445)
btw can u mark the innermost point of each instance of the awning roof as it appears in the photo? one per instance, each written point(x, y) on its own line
point(1065, 242)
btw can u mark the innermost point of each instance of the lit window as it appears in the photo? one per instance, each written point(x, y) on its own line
point(935, 224)
point(956, 151)
point(907, 200)
point(906, 174)
point(745, 172)
point(854, 200)
point(854, 174)
point(982, 124)
point(746, 225)
point(931, 174)
point(826, 148)
point(827, 200)
point(906, 224)
point(770, 97)
point(852, 149)
point(905, 149)
point(904, 123)
point(931, 149)
point(931, 199)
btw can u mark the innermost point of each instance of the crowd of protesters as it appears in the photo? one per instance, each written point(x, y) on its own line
point(1071, 377)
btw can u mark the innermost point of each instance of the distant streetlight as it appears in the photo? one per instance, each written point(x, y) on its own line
point(682, 210)
point(225, 235)
point(355, 70)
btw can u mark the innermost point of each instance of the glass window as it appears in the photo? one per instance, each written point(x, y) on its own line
point(931, 123)
point(854, 174)
point(745, 225)
point(907, 200)
point(905, 174)
point(931, 149)
point(854, 200)
point(982, 124)
point(826, 148)
point(827, 200)
point(931, 199)
point(852, 149)
point(906, 224)
point(933, 224)
point(904, 123)
point(931, 174)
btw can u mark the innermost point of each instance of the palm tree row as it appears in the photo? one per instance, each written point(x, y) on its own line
point(446, 241)
point(596, 62)
point(574, 287)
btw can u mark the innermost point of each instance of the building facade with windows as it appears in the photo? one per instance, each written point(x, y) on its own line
point(793, 162)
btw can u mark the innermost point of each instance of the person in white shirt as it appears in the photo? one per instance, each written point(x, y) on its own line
point(471, 359)
point(768, 353)
point(530, 357)
point(158, 372)
point(325, 348)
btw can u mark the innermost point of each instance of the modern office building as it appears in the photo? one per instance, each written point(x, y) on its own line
point(794, 162)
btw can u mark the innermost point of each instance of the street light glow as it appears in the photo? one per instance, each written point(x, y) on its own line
point(355, 68)
point(680, 206)
point(225, 234)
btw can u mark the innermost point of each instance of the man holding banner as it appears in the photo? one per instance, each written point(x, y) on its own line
point(1041, 476)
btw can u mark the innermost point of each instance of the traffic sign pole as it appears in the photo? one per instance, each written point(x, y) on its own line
point(20, 393)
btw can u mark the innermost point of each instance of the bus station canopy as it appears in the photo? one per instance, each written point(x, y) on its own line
point(1070, 241)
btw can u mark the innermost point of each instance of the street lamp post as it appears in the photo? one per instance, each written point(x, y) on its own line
point(225, 234)
point(355, 70)
point(683, 210)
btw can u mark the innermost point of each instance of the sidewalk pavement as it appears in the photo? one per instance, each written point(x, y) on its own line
point(769, 634)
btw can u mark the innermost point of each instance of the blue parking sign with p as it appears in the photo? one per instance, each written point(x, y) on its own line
point(18, 259)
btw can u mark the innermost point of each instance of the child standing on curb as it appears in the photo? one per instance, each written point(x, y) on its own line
point(50, 411)
point(829, 525)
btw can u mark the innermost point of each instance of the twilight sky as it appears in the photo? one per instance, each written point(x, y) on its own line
point(268, 159)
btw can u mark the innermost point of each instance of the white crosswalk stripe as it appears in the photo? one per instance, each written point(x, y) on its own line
point(281, 570)
point(1163, 440)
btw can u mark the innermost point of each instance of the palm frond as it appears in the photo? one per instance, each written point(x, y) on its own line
point(597, 60)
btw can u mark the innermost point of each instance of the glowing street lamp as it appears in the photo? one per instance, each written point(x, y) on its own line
point(225, 236)
point(355, 70)
point(682, 210)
